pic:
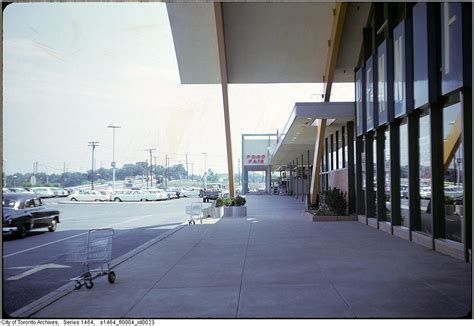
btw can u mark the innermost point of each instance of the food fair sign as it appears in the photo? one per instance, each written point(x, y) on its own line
point(252, 159)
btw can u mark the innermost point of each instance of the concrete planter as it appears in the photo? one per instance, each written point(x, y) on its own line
point(334, 218)
point(239, 211)
point(235, 211)
point(218, 212)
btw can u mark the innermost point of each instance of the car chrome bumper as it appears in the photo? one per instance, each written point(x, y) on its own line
point(10, 229)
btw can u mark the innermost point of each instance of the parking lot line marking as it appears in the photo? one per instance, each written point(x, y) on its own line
point(35, 269)
point(71, 237)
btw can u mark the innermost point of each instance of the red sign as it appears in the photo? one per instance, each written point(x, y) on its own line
point(256, 159)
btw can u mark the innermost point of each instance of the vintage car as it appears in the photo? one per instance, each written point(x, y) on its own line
point(133, 195)
point(43, 192)
point(160, 194)
point(89, 195)
point(24, 212)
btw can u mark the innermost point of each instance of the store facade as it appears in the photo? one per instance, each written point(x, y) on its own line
point(404, 160)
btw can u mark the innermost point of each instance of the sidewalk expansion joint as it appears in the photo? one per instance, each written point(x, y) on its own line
point(243, 271)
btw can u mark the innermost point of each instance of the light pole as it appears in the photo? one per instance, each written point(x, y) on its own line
point(150, 150)
point(92, 144)
point(205, 171)
point(113, 126)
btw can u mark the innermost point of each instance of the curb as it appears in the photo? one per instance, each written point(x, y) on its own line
point(32, 308)
point(70, 202)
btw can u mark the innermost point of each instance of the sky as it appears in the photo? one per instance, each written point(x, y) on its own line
point(72, 69)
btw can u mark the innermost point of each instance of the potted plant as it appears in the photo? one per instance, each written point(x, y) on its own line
point(235, 207)
point(228, 207)
point(240, 210)
point(219, 208)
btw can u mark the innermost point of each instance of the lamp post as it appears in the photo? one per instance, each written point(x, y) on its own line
point(92, 144)
point(205, 171)
point(113, 126)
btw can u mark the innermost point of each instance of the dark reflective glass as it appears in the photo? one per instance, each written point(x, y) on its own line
point(404, 204)
point(453, 174)
point(425, 173)
point(388, 201)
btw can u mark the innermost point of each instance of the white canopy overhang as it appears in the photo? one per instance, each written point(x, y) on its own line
point(299, 134)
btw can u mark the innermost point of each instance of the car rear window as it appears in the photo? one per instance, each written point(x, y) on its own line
point(10, 203)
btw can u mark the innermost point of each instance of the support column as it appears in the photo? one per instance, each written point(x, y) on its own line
point(318, 150)
point(297, 178)
point(225, 95)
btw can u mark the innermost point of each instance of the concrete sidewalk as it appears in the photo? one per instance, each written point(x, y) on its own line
point(277, 263)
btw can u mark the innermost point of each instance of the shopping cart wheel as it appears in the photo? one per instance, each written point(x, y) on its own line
point(89, 284)
point(111, 277)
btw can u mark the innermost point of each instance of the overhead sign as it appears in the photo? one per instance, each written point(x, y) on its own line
point(256, 159)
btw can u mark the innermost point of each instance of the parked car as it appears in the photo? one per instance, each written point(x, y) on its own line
point(89, 195)
point(171, 194)
point(176, 190)
point(43, 192)
point(60, 192)
point(21, 190)
point(190, 191)
point(23, 212)
point(211, 194)
point(160, 194)
point(133, 195)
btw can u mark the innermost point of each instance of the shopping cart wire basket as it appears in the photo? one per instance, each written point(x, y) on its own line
point(95, 253)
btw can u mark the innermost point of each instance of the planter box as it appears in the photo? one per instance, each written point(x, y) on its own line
point(235, 211)
point(349, 218)
point(218, 212)
point(239, 211)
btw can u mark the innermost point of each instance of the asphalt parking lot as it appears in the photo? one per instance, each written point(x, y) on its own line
point(41, 262)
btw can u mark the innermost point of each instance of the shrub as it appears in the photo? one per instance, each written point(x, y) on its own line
point(335, 200)
point(240, 201)
point(229, 202)
point(324, 211)
point(219, 202)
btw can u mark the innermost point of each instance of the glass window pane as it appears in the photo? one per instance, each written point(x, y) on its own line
point(374, 171)
point(404, 204)
point(388, 204)
point(453, 174)
point(425, 173)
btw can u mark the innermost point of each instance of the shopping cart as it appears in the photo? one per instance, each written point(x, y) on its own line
point(195, 212)
point(95, 256)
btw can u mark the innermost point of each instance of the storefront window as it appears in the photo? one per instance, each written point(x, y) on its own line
point(425, 173)
point(404, 204)
point(363, 167)
point(331, 154)
point(453, 173)
point(388, 203)
point(374, 172)
point(339, 151)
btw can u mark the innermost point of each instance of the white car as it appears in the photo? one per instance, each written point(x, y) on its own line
point(59, 192)
point(43, 192)
point(160, 194)
point(133, 195)
point(190, 192)
point(89, 195)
